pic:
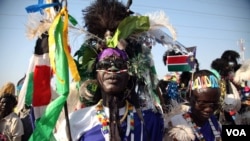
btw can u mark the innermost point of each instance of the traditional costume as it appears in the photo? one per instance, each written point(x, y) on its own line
point(95, 125)
point(114, 30)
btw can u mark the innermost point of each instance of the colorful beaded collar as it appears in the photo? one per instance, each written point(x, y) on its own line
point(103, 119)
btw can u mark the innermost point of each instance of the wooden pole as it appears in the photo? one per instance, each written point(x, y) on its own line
point(67, 120)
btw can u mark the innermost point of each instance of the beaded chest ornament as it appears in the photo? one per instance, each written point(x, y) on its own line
point(104, 120)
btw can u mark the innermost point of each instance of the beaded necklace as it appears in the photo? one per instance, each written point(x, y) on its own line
point(103, 119)
point(196, 129)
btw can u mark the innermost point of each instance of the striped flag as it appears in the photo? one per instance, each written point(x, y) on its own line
point(61, 61)
point(178, 63)
point(36, 90)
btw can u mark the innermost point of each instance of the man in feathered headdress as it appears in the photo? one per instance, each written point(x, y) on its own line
point(118, 77)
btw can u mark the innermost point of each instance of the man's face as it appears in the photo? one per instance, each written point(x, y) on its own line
point(6, 106)
point(205, 102)
point(112, 75)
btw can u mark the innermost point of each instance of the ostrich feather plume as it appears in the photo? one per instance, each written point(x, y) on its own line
point(158, 20)
point(36, 25)
point(175, 108)
point(182, 133)
point(243, 73)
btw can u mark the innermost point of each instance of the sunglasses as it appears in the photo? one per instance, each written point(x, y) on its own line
point(106, 64)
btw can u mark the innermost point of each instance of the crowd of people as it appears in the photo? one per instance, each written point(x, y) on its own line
point(120, 98)
point(228, 104)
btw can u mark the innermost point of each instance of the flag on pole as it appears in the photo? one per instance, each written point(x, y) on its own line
point(60, 60)
point(178, 63)
point(182, 62)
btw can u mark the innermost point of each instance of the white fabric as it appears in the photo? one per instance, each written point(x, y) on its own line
point(81, 121)
point(35, 60)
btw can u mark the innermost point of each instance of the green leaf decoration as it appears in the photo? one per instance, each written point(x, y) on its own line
point(86, 59)
point(139, 65)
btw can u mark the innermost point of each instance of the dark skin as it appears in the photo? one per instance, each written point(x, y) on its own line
point(112, 83)
point(7, 105)
point(204, 103)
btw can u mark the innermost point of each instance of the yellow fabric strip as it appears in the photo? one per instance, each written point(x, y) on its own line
point(52, 44)
point(73, 69)
point(71, 63)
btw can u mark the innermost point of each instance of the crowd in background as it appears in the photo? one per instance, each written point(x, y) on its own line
point(232, 107)
point(119, 96)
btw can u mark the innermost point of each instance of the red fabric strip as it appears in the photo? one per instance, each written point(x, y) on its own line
point(42, 88)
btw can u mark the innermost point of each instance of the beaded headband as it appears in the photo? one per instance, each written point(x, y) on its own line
point(204, 82)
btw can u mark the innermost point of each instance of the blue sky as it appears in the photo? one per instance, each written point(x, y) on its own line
point(211, 25)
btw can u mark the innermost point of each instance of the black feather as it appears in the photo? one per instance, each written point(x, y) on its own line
point(104, 15)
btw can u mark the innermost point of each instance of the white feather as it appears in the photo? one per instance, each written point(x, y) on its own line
point(78, 30)
point(243, 73)
point(175, 108)
point(36, 25)
point(159, 20)
point(182, 133)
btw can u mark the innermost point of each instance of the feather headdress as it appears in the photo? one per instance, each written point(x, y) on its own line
point(113, 25)
point(159, 20)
